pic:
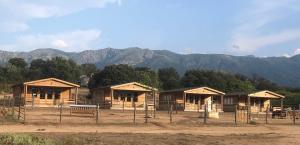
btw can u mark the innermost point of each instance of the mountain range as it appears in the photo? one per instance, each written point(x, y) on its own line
point(284, 71)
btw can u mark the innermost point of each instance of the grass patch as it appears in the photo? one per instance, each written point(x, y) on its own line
point(23, 139)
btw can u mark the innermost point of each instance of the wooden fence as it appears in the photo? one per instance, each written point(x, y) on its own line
point(15, 108)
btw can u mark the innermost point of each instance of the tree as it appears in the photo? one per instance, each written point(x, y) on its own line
point(88, 69)
point(38, 69)
point(18, 62)
point(147, 76)
point(16, 70)
point(219, 80)
point(112, 75)
point(61, 68)
point(169, 78)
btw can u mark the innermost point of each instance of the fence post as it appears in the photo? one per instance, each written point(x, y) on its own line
point(171, 111)
point(146, 113)
point(267, 112)
point(134, 113)
point(13, 107)
point(60, 112)
point(205, 113)
point(235, 114)
point(97, 115)
point(198, 107)
point(19, 112)
point(24, 111)
point(168, 105)
point(154, 103)
point(9, 104)
point(176, 107)
point(123, 104)
point(294, 115)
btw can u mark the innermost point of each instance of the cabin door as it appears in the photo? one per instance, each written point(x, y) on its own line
point(49, 99)
point(57, 95)
point(209, 104)
point(42, 98)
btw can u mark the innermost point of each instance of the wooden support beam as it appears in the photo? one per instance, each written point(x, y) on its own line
point(222, 103)
point(281, 104)
point(76, 96)
point(205, 113)
point(235, 114)
point(248, 109)
point(184, 100)
point(154, 103)
point(112, 96)
point(267, 112)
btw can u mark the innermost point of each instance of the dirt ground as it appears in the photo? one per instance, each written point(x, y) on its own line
point(117, 127)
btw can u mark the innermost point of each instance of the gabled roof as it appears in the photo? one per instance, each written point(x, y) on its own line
point(187, 90)
point(266, 94)
point(147, 88)
point(133, 83)
point(259, 94)
point(51, 79)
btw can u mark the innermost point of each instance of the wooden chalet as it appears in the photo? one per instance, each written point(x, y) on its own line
point(258, 101)
point(124, 96)
point(46, 92)
point(192, 99)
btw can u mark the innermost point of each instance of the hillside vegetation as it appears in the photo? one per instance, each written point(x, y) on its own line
point(281, 70)
point(17, 70)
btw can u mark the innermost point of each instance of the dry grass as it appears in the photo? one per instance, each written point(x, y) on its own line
point(116, 127)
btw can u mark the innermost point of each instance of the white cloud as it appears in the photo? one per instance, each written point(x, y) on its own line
point(248, 35)
point(286, 55)
point(14, 14)
point(297, 51)
point(67, 41)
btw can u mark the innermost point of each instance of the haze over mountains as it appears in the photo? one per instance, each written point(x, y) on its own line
point(281, 70)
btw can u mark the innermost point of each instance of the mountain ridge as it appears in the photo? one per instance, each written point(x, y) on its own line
point(281, 70)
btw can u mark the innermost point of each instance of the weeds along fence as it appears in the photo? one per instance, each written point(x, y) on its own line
point(13, 108)
point(162, 114)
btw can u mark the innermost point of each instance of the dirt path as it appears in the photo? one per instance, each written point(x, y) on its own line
point(151, 128)
point(162, 134)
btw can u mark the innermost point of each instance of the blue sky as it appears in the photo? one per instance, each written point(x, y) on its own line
point(237, 27)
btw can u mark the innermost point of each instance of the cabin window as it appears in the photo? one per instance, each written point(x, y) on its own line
point(196, 99)
point(116, 97)
point(34, 92)
point(128, 99)
point(49, 94)
point(191, 99)
point(228, 100)
point(42, 94)
point(57, 94)
point(123, 98)
point(135, 99)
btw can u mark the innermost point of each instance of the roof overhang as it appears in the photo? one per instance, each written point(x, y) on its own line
point(204, 90)
point(266, 94)
point(52, 82)
point(196, 90)
point(133, 86)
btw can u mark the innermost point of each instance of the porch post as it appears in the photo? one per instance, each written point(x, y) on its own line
point(25, 94)
point(184, 100)
point(248, 109)
point(281, 103)
point(70, 95)
point(76, 96)
point(222, 102)
point(112, 96)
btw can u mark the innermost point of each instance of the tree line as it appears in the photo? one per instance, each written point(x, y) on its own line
point(17, 70)
point(169, 78)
